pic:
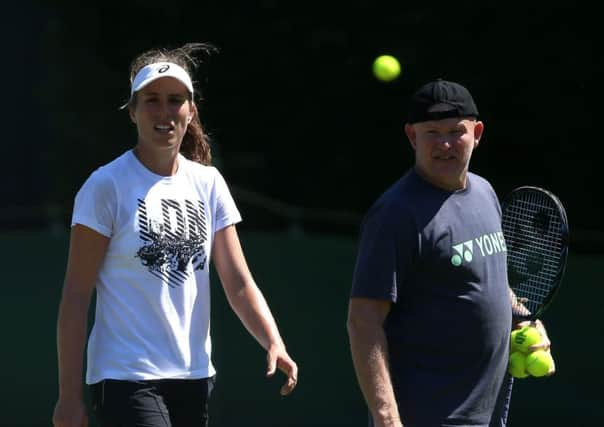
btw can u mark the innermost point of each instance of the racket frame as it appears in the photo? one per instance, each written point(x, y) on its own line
point(564, 234)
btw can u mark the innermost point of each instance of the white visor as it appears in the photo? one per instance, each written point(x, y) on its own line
point(158, 70)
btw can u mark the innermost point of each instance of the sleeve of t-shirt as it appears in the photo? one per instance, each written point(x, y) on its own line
point(226, 209)
point(95, 204)
point(490, 192)
point(383, 254)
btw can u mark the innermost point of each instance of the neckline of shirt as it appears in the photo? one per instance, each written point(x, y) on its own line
point(428, 184)
point(152, 175)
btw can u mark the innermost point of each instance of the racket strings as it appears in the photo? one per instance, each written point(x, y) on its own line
point(533, 230)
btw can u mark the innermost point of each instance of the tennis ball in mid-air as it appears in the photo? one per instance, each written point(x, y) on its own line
point(386, 68)
point(539, 363)
point(522, 339)
point(517, 365)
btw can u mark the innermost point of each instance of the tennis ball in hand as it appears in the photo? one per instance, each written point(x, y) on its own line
point(517, 365)
point(386, 68)
point(522, 339)
point(539, 363)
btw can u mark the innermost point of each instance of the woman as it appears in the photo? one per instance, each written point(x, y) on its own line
point(144, 229)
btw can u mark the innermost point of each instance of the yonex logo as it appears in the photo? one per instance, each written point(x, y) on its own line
point(464, 251)
point(488, 244)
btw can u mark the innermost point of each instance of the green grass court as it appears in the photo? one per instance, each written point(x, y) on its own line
point(306, 281)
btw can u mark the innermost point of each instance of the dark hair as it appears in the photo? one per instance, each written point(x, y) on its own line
point(195, 144)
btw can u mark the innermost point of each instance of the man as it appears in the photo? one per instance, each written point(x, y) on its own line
point(430, 316)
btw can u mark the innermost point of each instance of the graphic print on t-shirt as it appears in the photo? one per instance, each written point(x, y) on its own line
point(489, 244)
point(173, 242)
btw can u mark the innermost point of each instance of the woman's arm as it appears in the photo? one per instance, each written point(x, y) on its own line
point(87, 249)
point(249, 304)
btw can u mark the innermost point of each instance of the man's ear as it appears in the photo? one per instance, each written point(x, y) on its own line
point(478, 130)
point(410, 132)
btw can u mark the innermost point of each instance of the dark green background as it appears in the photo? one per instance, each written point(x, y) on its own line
point(306, 280)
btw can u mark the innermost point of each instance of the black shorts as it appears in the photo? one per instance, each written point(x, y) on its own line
point(151, 403)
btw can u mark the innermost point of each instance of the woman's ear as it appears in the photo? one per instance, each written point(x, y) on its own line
point(131, 114)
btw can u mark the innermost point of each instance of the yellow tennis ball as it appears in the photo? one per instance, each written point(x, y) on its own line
point(517, 365)
point(539, 363)
point(522, 339)
point(386, 68)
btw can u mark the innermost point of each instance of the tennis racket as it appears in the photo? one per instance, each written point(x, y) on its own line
point(536, 233)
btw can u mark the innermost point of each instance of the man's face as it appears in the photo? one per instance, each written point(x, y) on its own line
point(443, 149)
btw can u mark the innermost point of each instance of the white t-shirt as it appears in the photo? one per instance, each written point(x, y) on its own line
point(153, 295)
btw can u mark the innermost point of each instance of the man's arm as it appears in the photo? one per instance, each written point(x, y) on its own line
point(369, 350)
point(518, 307)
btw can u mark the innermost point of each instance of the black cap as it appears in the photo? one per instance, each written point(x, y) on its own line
point(441, 99)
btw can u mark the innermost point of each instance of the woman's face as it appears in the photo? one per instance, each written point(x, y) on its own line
point(162, 112)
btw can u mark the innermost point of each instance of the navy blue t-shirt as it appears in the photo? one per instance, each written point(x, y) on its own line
point(440, 258)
